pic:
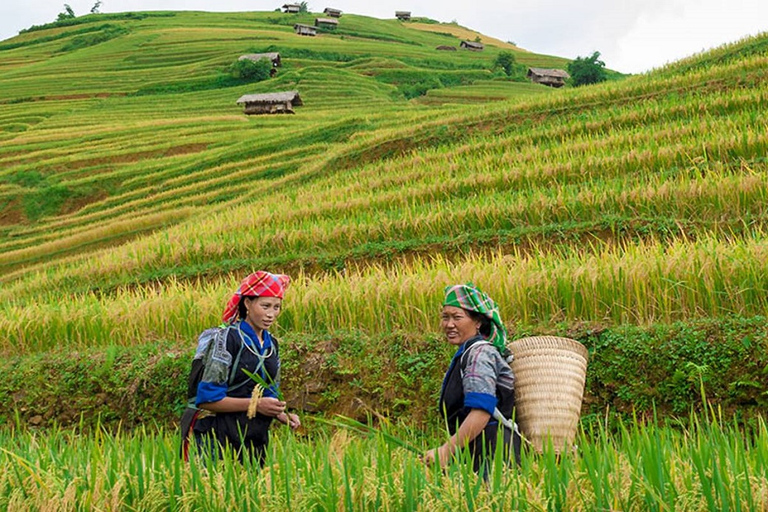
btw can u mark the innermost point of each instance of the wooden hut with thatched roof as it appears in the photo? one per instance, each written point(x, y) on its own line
point(550, 77)
point(305, 30)
point(326, 23)
point(292, 8)
point(403, 15)
point(472, 45)
point(333, 13)
point(270, 103)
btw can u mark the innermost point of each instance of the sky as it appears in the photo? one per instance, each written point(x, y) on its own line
point(632, 36)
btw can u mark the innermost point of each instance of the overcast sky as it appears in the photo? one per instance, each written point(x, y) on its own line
point(632, 36)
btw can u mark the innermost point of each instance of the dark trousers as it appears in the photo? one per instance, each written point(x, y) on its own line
point(246, 439)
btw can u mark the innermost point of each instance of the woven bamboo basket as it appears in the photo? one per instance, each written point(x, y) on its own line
point(550, 373)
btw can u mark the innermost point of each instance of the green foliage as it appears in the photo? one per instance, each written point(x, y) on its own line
point(425, 20)
point(117, 385)
point(310, 54)
point(251, 71)
point(416, 82)
point(44, 197)
point(669, 366)
point(218, 81)
point(55, 37)
point(67, 14)
point(47, 200)
point(82, 20)
point(587, 70)
point(27, 179)
point(104, 34)
point(506, 61)
point(631, 371)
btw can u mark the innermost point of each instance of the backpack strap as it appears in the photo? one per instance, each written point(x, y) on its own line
point(507, 423)
point(235, 363)
point(224, 333)
point(462, 361)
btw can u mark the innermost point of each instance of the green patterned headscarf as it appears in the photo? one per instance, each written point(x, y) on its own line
point(468, 296)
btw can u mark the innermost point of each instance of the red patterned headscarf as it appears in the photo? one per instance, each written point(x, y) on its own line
point(258, 284)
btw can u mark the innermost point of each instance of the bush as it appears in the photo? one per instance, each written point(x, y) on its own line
point(105, 33)
point(506, 61)
point(250, 71)
point(587, 70)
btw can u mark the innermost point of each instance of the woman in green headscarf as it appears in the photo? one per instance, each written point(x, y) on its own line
point(478, 389)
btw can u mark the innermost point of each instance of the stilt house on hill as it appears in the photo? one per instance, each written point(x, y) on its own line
point(326, 23)
point(550, 77)
point(472, 45)
point(333, 13)
point(305, 30)
point(403, 15)
point(270, 103)
point(292, 8)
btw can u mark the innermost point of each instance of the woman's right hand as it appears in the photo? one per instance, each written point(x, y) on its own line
point(269, 406)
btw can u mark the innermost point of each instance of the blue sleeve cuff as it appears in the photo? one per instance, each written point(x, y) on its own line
point(480, 401)
point(210, 392)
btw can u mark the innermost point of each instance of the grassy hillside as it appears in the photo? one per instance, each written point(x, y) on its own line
point(89, 130)
point(134, 194)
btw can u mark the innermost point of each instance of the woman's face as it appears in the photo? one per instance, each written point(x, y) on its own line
point(261, 312)
point(457, 325)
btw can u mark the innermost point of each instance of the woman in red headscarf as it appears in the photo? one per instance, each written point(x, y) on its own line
point(225, 390)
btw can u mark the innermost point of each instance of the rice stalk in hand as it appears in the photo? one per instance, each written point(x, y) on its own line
point(261, 382)
point(258, 392)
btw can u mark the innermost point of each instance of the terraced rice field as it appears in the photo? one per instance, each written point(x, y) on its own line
point(134, 195)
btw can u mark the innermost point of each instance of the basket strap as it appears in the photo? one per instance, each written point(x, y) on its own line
point(507, 423)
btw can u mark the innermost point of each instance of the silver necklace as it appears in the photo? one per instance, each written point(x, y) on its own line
point(251, 349)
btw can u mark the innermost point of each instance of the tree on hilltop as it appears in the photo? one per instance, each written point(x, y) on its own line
point(96, 6)
point(67, 14)
point(303, 7)
point(587, 70)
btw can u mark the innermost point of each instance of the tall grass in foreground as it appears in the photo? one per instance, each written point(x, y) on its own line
point(703, 465)
point(636, 284)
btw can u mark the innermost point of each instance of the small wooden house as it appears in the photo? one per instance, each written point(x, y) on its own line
point(446, 48)
point(403, 15)
point(292, 8)
point(326, 23)
point(550, 77)
point(333, 13)
point(305, 30)
point(472, 45)
point(270, 103)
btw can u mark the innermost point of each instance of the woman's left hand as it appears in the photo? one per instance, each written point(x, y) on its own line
point(290, 419)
